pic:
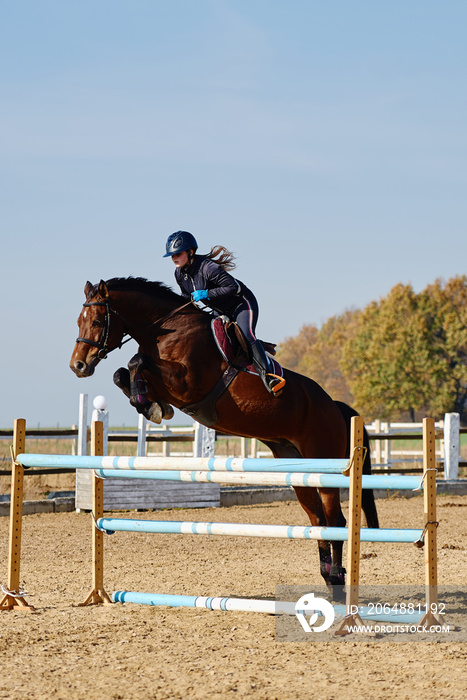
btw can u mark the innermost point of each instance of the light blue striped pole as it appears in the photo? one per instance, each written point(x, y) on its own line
point(271, 607)
point(292, 532)
point(274, 472)
point(222, 464)
point(206, 602)
point(376, 481)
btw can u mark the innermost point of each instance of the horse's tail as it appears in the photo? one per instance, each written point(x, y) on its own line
point(368, 499)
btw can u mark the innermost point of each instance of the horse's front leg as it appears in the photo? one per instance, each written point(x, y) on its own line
point(323, 508)
point(134, 386)
point(142, 394)
point(151, 411)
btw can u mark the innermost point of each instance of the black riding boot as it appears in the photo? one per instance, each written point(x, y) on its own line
point(272, 382)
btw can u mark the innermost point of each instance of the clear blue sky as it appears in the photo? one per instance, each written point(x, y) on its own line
point(323, 142)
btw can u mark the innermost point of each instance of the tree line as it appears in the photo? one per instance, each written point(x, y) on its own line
point(402, 357)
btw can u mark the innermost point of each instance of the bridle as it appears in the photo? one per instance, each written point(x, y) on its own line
point(102, 343)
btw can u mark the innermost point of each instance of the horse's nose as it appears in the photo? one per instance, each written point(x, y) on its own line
point(79, 366)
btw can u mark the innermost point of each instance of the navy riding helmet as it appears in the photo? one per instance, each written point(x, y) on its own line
point(178, 242)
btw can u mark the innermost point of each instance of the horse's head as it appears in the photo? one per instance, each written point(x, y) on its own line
point(101, 330)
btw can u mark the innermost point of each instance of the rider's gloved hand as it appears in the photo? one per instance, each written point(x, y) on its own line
point(199, 295)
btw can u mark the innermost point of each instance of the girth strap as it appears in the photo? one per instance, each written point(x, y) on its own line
point(204, 411)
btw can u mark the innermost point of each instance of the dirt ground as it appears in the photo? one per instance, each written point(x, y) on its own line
point(126, 651)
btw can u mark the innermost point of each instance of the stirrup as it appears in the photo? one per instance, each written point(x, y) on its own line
point(276, 383)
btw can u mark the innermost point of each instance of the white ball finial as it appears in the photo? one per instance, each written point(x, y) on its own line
point(100, 403)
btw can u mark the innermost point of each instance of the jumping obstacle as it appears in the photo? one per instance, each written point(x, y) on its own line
point(318, 473)
point(334, 481)
point(291, 532)
point(202, 464)
point(271, 607)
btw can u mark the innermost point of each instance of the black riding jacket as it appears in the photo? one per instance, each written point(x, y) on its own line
point(225, 292)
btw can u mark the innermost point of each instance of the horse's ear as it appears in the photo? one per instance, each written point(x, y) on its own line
point(87, 289)
point(103, 291)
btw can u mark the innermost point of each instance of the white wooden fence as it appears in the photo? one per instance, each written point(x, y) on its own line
point(448, 433)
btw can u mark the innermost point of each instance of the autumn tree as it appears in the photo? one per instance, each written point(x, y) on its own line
point(293, 351)
point(410, 351)
point(387, 362)
point(323, 362)
point(406, 353)
point(317, 353)
point(445, 310)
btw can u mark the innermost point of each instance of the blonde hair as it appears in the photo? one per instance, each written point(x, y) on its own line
point(222, 257)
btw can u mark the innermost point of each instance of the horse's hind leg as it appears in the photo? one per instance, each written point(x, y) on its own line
point(323, 508)
point(368, 498)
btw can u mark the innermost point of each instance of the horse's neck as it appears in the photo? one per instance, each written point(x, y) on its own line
point(141, 311)
point(156, 307)
point(180, 346)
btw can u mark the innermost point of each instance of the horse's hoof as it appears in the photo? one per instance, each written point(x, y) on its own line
point(337, 575)
point(168, 411)
point(338, 594)
point(154, 413)
point(337, 582)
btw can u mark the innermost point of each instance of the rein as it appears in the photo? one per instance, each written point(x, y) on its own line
point(172, 313)
point(102, 343)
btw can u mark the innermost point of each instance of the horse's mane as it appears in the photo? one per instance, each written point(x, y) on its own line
point(140, 284)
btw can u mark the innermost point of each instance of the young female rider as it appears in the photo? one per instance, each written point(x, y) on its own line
point(206, 278)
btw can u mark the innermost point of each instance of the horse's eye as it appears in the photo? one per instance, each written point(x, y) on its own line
point(97, 324)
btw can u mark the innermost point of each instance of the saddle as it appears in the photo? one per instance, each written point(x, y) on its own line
point(232, 344)
point(236, 352)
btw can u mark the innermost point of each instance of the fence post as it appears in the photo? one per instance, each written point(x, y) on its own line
point(243, 447)
point(377, 442)
point(204, 442)
point(166, 443)
point(101, 415)
point(97, 594)
point(429, 498)
point(83, 425)
point(451, 446)
point(355, 470)
point(254, 448)
point(387, 444)
point(141, 448)
point(13, 598)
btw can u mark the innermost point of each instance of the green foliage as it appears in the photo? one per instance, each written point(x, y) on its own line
point(387, 361)
point(293, 352)
point(445, 311)
point(406, 353)
point(317, 354)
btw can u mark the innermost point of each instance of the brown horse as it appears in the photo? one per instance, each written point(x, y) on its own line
point(179, 364)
